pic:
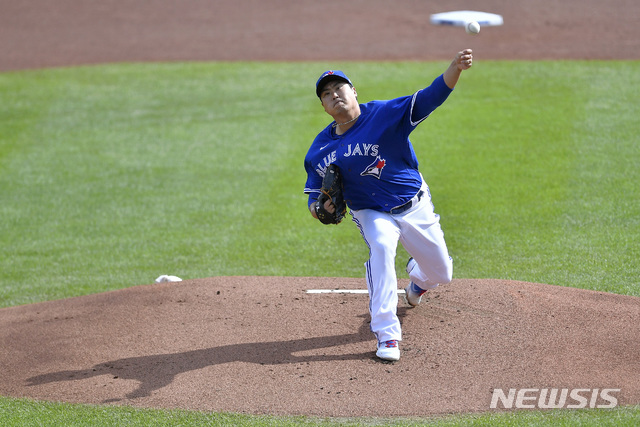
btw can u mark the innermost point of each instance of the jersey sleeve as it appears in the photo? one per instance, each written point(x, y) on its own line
point(428, 99)
point(314, 183)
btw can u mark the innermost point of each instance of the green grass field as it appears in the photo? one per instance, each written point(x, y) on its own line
point(112, 175)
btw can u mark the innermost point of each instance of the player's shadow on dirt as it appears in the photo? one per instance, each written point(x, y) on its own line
point(157, 371)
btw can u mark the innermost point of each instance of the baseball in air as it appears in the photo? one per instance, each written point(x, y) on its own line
point(472, 27)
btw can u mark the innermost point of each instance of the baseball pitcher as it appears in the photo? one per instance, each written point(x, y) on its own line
point(378, 179)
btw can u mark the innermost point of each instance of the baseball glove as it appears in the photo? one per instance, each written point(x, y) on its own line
point(331, 189)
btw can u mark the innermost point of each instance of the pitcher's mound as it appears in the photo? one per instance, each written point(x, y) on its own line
point(263, 345)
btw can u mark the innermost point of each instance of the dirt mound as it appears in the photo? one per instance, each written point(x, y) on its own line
point(263, 345)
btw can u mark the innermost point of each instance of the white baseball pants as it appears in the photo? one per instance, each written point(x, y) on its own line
point(419, 231)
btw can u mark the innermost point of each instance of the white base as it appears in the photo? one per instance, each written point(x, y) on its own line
point(459, 18)
point(166, 278)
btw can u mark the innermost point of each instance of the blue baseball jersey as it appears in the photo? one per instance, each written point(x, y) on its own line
point(375, 156)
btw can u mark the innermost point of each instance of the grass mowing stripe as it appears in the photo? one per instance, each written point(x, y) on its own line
point(602, 222)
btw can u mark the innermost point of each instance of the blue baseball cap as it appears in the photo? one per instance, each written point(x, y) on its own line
point(330, 75)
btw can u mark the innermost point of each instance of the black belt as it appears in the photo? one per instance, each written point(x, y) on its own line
point(408, 205)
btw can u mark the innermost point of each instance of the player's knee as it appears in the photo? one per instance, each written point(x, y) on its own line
point(445, 275)
point(446, 279)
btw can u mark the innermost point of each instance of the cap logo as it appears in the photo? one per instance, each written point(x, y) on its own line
point(330, 73)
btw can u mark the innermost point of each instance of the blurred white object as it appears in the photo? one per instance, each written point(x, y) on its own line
point(166, 278)
point(459, 18)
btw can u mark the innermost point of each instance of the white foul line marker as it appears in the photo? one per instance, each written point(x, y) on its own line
point(342, 291)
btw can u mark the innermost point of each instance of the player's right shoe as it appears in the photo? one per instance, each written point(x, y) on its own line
point(413, 293)
point(388, 350)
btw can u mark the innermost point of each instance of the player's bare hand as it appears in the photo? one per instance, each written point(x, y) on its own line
point(329, 206)
point(464, 59)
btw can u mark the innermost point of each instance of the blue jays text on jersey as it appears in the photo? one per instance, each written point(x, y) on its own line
point(375, 155)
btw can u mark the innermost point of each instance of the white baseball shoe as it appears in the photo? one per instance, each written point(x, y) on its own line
point(388, 350)
point(413, 293)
